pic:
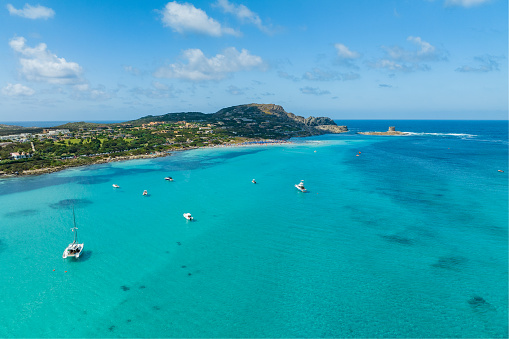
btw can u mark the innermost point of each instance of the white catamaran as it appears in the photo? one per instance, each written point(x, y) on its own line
point(74, 249)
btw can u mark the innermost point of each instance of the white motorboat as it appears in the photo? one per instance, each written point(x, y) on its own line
point(116, 186)
point(300, 186)
point(74, 249)
point(168, 178)
point(188, 216)
point(145, 192)
point(253, 181)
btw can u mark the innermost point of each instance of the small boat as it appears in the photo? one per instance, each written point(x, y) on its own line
point(300, 186)
point(74, 249)
point(501, 171)
point(253, 181)
point(145, 192)
point(116, 186)
point(168, 178)
point(188, 216)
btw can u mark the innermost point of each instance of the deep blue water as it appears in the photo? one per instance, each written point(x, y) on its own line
point(50, 123)
point(397, 237)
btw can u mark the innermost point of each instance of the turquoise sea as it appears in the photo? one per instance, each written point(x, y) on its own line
point(403, 237)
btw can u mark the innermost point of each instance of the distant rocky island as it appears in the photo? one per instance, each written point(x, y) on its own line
point(390, 131)
point(36, 150)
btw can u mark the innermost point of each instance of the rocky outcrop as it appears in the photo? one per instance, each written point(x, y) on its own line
point(391, 131)
point(332, 128)
point(312, 121)
point(312, 125)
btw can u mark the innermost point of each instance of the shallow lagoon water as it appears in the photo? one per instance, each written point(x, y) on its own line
point(408, 239)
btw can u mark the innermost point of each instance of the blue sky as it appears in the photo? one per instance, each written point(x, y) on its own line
point(351, 59)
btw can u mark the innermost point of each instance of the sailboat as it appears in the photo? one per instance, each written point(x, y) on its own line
point(74, 249)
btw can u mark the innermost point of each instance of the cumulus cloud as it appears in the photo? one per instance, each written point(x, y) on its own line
point(426, 52)
point(187, 18)
point(346, 57)
point(400, 59)
point(242, 13)
point(17, 90)
point(39, 64)
point(465, 3)
point(200, 68)
point(345, 53)
point(32, 12)
point(313, 91)
point(398, 66)
point(485, 64)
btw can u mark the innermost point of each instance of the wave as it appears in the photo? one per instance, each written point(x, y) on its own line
point(461, 135)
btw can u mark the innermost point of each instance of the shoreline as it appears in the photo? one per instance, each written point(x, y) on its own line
point(98, 161)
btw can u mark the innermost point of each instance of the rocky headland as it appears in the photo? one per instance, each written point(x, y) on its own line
point(255, 121)
point(32, 151)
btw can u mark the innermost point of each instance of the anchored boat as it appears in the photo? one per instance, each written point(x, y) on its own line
point(74, 249)
point(300, 186)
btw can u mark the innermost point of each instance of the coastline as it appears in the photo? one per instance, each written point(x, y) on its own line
point(102, 160)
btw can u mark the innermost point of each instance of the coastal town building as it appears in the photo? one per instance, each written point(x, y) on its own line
point(22, 155)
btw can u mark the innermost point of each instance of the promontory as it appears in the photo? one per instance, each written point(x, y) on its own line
point(35, 150)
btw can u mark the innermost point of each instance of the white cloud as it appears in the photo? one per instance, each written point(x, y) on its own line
point(39, 64)
point(465, 3)
point(345, 53)
point(485, 63)
point(426, 52)
point(201, 68)
point(398, 66)
point(185, 17)
point(242, 13)
point(313, 91)
point(400, 59)
point(32, 12)
point(17, 90)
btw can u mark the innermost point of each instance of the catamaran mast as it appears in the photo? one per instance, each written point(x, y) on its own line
point(75, 229)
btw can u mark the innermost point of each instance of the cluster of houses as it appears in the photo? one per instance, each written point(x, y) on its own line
point(55, 134)
point(22, 155)
point(105, 131)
